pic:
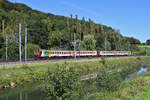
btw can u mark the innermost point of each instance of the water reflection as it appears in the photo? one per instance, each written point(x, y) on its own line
point(21, 96)
point(26, 96)
point(27, 92)
point(140, 71)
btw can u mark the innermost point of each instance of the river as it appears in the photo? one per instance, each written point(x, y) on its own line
point(24, 92)
point(33, 91)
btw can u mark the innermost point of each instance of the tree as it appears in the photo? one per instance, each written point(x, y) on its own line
point(58, 40)
point(148, 42)
point(91, 26)
point(13, 53)
point(89, 43)
point(48, 24)
point(83, 28)
point(100, 38)
point(54, 39)
point(77, 24)
point(68, 28)
point(63, 84)
point(43, 26)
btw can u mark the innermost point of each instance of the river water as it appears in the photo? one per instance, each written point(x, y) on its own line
point(24, 92)
point(33, 91)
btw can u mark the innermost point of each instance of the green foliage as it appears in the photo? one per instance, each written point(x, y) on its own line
point(51, 31)
point(108, 80)
point(143, 50)
point(31, 48)
point(55, 39)
point(63, 84)
point(13, 53)
point(103, 60)
point(148, 42)
point(139, 58)
point(89, 43)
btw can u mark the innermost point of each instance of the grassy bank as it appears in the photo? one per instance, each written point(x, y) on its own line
point(143, 49)
point(11, 77)
point(133, 89)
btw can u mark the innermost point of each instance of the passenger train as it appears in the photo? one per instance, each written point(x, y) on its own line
point(62, 54)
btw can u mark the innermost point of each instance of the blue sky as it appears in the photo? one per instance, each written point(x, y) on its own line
point(131, 17)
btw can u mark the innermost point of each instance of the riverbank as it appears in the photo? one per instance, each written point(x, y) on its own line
point(133, 89)
point(12, 77)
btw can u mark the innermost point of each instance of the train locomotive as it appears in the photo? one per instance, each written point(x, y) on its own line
point(63, 54)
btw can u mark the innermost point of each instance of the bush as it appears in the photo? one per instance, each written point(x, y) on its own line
point(63, 84)
point(139, 58)
point(103, 61)
point(108, 80)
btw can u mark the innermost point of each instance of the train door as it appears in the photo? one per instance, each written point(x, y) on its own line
point(98, 53)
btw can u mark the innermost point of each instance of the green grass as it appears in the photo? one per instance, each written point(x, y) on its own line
point(37, 72)
point(145, 95)
point(143, 48)
point(134, 89)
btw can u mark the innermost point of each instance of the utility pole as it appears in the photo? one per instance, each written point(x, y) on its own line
point(6, 48)
point(20, 42)
point(146, 49)
point(3, 27)
point(105, 44)
point(26, 32)
point(74, 45)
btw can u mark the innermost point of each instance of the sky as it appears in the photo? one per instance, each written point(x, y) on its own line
point(131, 17)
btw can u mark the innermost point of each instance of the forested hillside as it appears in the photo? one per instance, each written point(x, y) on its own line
point(48, 31)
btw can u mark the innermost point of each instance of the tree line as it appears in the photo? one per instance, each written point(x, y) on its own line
point(48, 31)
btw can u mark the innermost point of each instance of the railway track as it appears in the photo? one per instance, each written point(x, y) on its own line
point(17, 63)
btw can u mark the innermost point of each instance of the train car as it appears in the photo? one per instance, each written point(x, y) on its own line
point(115, 53)
point(63, 54)
point(53, 53)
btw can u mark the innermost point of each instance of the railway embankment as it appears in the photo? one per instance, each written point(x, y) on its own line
point(12, 77)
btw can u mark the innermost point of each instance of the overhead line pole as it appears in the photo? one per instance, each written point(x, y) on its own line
point(20, 53)
point(105, 44)
point(3, 27)
point(26, 32)
point(6, 48)
point(74, 45)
